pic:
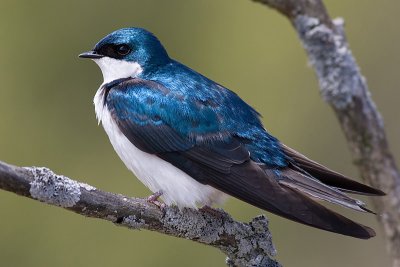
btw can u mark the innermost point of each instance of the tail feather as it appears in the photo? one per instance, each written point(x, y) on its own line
point(258, 185)
point(316, 189)
point(333, 222)
point(328, 176)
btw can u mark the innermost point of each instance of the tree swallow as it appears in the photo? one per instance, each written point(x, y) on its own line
point(196, 141)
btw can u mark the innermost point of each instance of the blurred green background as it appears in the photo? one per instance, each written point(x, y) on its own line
point(47, 118)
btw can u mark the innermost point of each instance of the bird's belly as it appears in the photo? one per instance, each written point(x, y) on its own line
point(157, 174)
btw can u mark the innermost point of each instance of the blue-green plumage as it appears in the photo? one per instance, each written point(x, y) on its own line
point(192, 138)
point(199, 109)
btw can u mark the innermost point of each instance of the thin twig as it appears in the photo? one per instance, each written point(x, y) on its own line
point(345, 89)
point(245, 244)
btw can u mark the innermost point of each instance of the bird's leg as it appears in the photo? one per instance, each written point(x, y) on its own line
point(154, 199)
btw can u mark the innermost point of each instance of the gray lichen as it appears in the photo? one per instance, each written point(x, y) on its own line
point(255, 247)
point(54, 189)
point(133, 222)
point(259, 226)
point(246, 244)
point(191, 226)
point(333, 61)
point(87, 187)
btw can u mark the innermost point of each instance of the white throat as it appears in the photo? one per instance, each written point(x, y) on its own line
point(114, 69)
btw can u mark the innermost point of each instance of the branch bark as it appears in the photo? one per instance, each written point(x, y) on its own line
point(345, 89)
point(245, 244)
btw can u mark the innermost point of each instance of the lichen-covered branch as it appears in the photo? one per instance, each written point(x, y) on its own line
point(345, 89)
point(245, 244)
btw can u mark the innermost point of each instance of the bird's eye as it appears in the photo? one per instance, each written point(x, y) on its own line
point(123, 49)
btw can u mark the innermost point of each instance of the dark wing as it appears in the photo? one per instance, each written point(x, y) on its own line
point(327, 176)
point(223, 163)
point(153, 137)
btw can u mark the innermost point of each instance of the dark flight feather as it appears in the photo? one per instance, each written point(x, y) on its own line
point(327, 176)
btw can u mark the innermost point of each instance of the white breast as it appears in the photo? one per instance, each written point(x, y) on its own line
point(157, 174)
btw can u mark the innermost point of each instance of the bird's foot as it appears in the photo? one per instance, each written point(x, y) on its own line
point(154, 199)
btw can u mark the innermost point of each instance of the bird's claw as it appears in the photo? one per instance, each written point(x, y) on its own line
point(154, 200)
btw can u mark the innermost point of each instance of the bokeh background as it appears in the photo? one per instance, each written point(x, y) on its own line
point(47, 118)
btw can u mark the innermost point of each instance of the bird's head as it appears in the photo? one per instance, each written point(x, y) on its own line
point(127, 52)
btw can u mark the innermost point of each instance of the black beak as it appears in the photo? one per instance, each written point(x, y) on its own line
point(90, 54)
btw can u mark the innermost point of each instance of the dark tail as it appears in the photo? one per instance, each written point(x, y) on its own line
point(260, 187)
point(328, 176)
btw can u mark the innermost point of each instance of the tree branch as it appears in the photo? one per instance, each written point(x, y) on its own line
point(345, 89)
point(245, 244)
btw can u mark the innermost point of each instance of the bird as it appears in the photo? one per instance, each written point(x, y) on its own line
point(193, 142)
